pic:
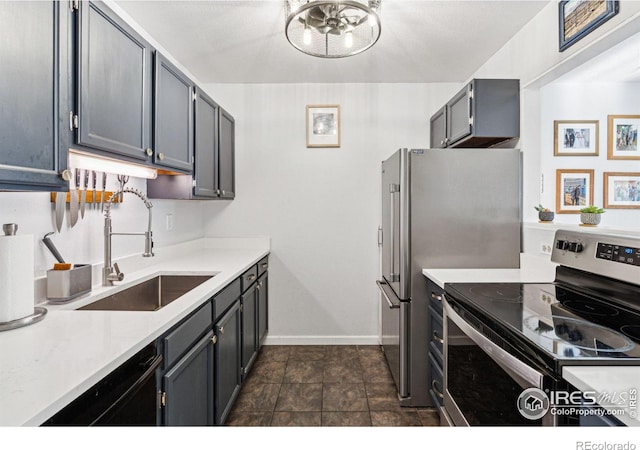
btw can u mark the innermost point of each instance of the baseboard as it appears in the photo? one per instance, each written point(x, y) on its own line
point(322, 340)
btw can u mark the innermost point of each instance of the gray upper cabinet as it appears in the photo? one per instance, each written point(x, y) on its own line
point(226, 156)
point(482, 114)
point(34, 95)
point(206, 174)
point(173, 116)
point(114, 84)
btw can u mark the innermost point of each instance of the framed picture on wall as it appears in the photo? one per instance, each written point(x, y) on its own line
point(576, 137)
point(622, 142)
point(622, 190)
point(323, 125)
point(574, 190)
point(578, 18)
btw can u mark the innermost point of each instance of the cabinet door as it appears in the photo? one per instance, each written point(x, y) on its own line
point(114, 84)
point(226, 155)
point(227, 362)
point(459, 115)
point(263, 307)
point(438, 128)
point(249, 328)
point(206, 129)
point(188, 387)
point(173, 116)
point(33, 57)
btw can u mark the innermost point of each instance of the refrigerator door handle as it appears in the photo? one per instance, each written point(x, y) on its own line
point(381, 285)
point(393, 188)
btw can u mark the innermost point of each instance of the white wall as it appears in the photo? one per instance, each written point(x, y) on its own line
point(320, 206)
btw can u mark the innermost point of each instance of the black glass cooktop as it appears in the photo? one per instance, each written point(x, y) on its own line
point(554, 320)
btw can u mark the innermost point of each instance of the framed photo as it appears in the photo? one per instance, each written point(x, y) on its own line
point(323, 125)
point(622, 190)
point(574, 190)
point(578, 18)
point(576, 137)
point(622, 142)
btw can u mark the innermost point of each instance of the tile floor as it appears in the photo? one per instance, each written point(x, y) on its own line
point(323, 386)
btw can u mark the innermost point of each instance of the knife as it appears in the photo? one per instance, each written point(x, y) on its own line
point(73, 199)
point(94, 176)
point(104, 190)
point(61, 201)
point(83, 193)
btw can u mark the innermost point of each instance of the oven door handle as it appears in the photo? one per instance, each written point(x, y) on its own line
point(523, 374)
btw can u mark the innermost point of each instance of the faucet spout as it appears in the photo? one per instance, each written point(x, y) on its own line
point(111, 272)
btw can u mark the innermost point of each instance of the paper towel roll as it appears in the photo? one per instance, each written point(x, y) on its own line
point(16, 277)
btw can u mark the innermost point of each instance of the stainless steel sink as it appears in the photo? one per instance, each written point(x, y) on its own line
point(150, 295)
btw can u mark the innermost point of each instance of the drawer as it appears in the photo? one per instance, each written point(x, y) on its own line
point(249, 277)
point(435, 341)
point(436, 382)
point(435, 295)
point(178, 341)
point(226, 297)
point(263, 265)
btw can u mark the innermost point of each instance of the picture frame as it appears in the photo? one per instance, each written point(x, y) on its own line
point(622, 139)
point(576, 137)
point(578, 18)
point(621, 190)
point(323, 126)
point(574, 190)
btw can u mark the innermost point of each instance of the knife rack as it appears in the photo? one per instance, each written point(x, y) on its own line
point(88, 196)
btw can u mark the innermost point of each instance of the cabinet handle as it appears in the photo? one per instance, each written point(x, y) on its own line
point(436, 390)
point(442, 142)
point(437, 338)
point(148, 151)
point(259, 286)
point(221, 330)
point(161, 156)
point(223, 192)
point(436, 297)
point(251, 277)
point(264, 265)
point(217, 191)
point(214, 339)
point(65, 174)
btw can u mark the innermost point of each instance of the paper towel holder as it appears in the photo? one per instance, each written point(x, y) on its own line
point(10, 229)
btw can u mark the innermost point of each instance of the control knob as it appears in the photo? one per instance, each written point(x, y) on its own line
point(575, 247)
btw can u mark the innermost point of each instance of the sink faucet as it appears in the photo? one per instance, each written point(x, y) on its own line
point(112, 273)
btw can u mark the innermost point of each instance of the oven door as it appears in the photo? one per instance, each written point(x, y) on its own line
point(482, 380)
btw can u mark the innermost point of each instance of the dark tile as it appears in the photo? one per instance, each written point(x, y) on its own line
point(382, 397)
point(344, 397)
point(341, 352)
point(381, 390)
point(249, 419)
point(307, 352)
point(346, 419)
point(257, 397)
point(300, 397)
point(267, 372)
point(303, 372)
point(274, 353)
point(395, 419)
point(429, 417)
point(376, 374)
point(296, 419)
point(370, 351)
point(348, 371)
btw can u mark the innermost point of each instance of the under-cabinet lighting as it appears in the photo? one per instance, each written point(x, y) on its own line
point(90, 162)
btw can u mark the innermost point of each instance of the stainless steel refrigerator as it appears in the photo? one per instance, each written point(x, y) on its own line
point(444, 208)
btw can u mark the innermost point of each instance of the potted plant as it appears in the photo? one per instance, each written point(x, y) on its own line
point(590, 215)
point(544, 214)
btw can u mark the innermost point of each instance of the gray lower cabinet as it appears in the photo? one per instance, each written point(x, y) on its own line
point(262, 289)
point(188, 387)
point(436, 342)
point(34, 94)
point(249, 310)
point(483, 113)
point(114, 85)
point(227, 361)
point(173, 116)
point(226, 156)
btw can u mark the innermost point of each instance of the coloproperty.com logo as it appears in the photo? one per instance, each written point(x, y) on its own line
point(534, 403)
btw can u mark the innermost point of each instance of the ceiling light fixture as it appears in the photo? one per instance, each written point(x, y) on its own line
point(332, 28)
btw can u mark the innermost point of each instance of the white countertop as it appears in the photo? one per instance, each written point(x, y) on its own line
point(46, 365)
point(533, 269)
point(608, 380)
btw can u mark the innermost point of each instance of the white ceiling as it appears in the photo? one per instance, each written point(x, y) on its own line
point(243, 41)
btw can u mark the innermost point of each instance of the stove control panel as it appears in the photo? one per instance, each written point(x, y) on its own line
point(610, 255)
point(618, 253)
